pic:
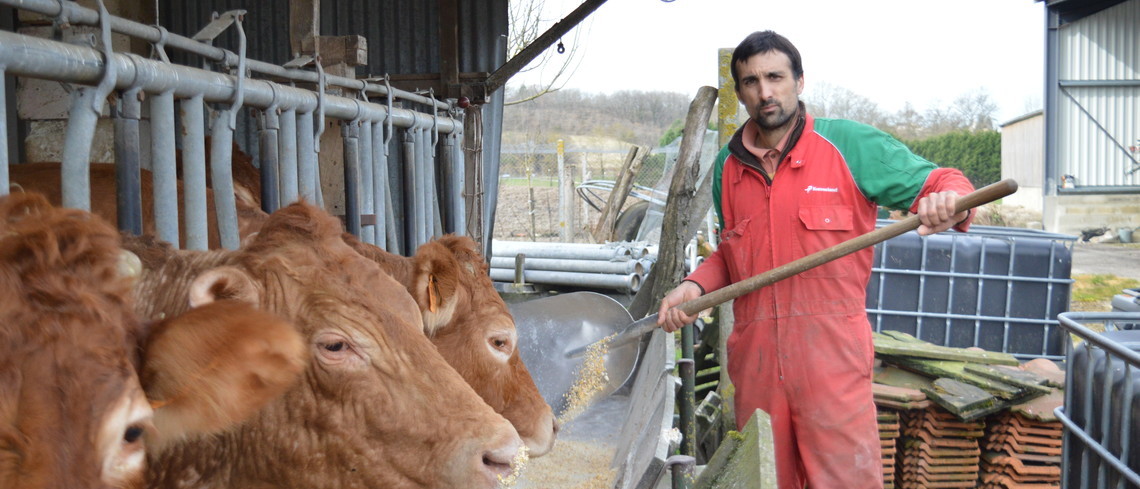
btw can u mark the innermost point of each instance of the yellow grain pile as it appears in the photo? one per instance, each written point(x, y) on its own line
point(591, 379)
point(517, 465)
point(571, 465)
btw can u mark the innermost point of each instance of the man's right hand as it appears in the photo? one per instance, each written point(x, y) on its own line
point(668, 316)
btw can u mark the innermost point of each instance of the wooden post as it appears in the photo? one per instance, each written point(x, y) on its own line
point(473, 179)
point(728, 105)
point(603, 230)
point(304, 25)
point(684, 210)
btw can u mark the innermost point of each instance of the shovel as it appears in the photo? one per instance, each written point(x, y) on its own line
point(638, 328)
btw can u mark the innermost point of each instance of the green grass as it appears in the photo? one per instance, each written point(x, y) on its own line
point(521, 182)
point(1096, 288)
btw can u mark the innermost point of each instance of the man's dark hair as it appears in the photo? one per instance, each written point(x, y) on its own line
point(762, 42)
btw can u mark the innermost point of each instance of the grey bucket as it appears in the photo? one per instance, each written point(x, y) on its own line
point(1125, 235)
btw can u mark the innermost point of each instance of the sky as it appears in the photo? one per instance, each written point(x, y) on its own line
point(923, 52)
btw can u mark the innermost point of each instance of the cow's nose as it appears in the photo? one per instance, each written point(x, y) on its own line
point(557, 426)
point(501, 458)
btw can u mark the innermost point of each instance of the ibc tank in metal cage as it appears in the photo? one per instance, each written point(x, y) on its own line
point(996, 288)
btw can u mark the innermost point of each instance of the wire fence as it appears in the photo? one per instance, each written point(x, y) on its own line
point(529, 201)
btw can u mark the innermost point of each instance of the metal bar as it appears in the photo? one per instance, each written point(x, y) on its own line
point(194, 183)
point(4, 181)
point(623, 283)
point(687, 404)
point(411, 210)
point(84, 16)
point(163, 166)
point(423, 189)
point(222, 178)
point(381, 196)
point(458, 183)
point(350, 132)
point(44, 58)
point(367, 198)
point(980, 276)
point(76, 177)
point(128, 184)
point(269, 145)
point(568, 265)
point(306, 157)
point(1099, 83)
point(287, 144)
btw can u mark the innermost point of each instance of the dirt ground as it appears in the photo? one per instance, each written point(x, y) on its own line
point(1122, 260)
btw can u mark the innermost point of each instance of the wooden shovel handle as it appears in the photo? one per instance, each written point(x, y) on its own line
point(976, 198)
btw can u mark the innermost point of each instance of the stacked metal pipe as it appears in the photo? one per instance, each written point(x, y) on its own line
point(620, 266)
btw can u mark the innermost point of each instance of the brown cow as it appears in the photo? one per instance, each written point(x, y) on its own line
point(45, 178)
point(471, 326)
point(72, 412)
point(378, 406)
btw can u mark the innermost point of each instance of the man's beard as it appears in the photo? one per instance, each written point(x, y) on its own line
point(773, 120)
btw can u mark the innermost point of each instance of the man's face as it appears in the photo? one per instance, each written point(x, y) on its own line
point(768, 89)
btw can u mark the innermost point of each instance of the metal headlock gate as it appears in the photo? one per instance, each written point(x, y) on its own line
point(290, 121)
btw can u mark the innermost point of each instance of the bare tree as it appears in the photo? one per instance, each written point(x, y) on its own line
point(557, 63)
point(827, 100)
point(975, 110)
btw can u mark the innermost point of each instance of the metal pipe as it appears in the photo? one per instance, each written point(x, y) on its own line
point(458, 183)
point(306, 158)
point(287, 144)
point(350, 132)
point(687, 404)
point(367, 206)
point(268, 146)
point(75, 182)
point(164, 173)
point(4, 181)
point(567, 265)
point(424, 209)
point(222, 177)
point(623, 283)
point(411, 210)
point(194, 173)
point(520, 269)
point(128, 184)
point(577, 251)
point(78, 15)
point(44, 58)
point(385, 227)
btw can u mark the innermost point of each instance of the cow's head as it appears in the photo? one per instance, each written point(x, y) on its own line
point(470, 324)
point(378, 406)
point(72, 411)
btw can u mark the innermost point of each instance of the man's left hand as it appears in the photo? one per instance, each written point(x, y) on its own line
point(936, 212)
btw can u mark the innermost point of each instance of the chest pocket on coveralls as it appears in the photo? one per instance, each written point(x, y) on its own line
point(820, 227)
point(738, 249)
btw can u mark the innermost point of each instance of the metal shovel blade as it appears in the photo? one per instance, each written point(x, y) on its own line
point(547, 325)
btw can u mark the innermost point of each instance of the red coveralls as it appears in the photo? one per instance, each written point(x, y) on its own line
point(801, 349)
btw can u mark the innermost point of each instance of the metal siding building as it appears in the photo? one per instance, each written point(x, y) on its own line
point(1098, 102)
point(1092, 115)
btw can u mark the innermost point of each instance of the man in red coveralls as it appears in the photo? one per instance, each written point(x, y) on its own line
point(788, 185)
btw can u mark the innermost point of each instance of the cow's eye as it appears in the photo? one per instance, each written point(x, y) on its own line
point(338, 346)
point(133, 434)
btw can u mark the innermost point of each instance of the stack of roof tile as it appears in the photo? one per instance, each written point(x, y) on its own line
point(888, 438)
point(1021, 453)
point(939, 450)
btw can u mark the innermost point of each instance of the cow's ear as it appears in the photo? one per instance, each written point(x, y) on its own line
point(435, 285)
point(223, 283)
point(217, 365)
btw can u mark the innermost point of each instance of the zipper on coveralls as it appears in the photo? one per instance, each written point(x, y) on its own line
point(772, 259)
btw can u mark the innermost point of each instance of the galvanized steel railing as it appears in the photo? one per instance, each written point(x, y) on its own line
point(1100, 410)
point(290, 120)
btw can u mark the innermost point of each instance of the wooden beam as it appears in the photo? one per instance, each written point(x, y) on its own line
point(304, 25)
point(544, 41)
point(449, 48)
point(604, 229)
